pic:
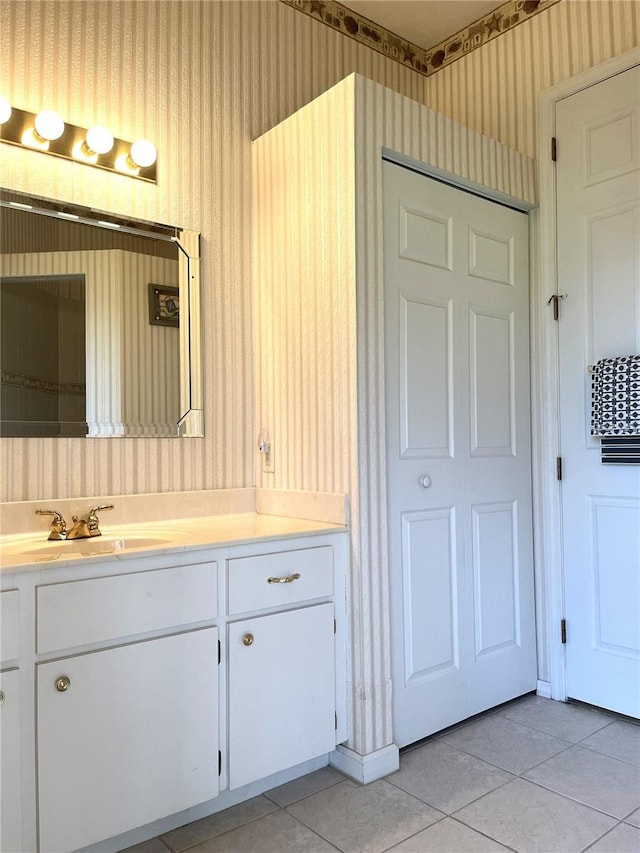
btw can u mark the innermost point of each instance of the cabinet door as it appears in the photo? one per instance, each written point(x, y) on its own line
point(281, 692)
point(10, 774)
point(134, 737)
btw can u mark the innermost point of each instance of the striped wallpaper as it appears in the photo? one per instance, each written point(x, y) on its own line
point(495, 89)
point(202, 79)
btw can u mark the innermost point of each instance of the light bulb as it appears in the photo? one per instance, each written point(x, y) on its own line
point(143, 153)
point(5, 110)
point(99, 140)
point(49, 125)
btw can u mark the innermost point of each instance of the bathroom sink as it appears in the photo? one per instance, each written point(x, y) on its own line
point(48, 551)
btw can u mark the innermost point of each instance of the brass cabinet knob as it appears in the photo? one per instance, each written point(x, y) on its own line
point(248, 639)
point(2, 697)
point(63, 683)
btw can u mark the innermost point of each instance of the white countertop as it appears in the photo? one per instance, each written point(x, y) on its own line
point(34, 552)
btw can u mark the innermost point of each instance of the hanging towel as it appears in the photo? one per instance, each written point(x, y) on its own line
point(615, 396)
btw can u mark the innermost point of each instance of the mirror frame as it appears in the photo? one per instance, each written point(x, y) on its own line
point(191, 420)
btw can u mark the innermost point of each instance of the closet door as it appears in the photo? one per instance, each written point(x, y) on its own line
point(458, 450)
point(598, 205)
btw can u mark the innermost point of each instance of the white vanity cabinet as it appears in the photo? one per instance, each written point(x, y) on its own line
point(10, 733)
point(11, 772)
point(127, 733)
point(282, 702)
point(157, 687)
point(282, 671)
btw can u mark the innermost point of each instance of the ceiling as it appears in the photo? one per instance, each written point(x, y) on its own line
point(423, 22)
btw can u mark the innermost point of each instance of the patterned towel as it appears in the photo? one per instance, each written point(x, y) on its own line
point(615, 396)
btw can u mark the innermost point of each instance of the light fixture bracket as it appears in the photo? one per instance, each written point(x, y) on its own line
point(69, 147)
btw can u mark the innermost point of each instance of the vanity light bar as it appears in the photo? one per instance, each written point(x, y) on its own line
point(48, 133)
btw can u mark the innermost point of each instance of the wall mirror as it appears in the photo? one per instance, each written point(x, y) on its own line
point(99, 323)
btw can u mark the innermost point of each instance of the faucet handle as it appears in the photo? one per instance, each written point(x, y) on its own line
point(58, 525)
point(100, 508)
point(92, 518)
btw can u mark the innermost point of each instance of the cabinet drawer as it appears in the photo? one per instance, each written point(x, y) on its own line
point(253, 581)
point(9, 624)
point(97, 609)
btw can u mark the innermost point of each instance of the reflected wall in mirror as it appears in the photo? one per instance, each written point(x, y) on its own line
point(79, 355)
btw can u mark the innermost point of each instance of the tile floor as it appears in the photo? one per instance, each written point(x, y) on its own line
point(533, 776)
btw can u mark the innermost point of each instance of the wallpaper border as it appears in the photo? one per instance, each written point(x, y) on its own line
point(424, 61)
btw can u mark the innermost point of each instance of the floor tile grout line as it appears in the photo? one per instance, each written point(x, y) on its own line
point(413, 834)
point(481, 832)
point(227, 832)
point(517, 774)
point(474, 800)
point(486, 793)
point(476, 718)
point(456, 816)
point(573, 800)
point(505, 769)
point(626, 817)
point(616, 757)
point(319, 834)
point(306, 796)
point(440, 820)
point(600, 837)
point(314, 831)
point(219, 834)
point(586, 749)
point(549, 734)
point(442, 814)
point(249, 820)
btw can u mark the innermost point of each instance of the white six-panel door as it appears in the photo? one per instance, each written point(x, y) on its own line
point(598, 209)
point(458, 449)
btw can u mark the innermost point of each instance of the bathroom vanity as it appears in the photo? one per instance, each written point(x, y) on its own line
point(191, 664)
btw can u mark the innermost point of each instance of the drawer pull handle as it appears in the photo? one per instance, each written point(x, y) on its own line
point(2, 697)
point(288, 579)
point(63, 683)
point(248, 639)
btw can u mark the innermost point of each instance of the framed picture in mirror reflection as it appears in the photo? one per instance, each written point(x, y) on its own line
point(164, 305)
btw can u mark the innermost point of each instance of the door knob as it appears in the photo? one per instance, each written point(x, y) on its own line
point(424, 481)
point(248, 639)
point(63, 683)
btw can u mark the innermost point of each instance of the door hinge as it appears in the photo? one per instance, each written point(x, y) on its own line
point(554, 149)
point(219, 652)
point(334, 626)
point(558, 467)
point(336, 720)
point(219, 763)
point(563, 630)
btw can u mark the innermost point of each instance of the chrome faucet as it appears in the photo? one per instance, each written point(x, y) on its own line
point(83, 528)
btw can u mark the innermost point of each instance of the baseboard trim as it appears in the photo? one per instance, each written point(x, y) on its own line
point(366, 768)
point(543, 688)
